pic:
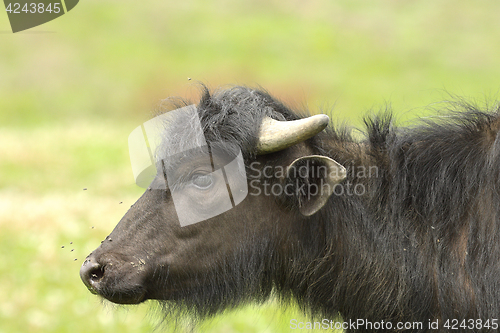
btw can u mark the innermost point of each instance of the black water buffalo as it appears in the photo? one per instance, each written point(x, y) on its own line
point(396, 231)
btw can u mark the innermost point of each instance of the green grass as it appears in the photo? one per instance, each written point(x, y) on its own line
point(72, 90)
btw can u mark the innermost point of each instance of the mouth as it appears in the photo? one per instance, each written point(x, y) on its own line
point(123, 296)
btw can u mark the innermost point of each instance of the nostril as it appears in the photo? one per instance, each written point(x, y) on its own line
point(91, 273)
point(96, 274)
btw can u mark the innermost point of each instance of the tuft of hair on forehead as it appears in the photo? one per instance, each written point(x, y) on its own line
point(232, 116)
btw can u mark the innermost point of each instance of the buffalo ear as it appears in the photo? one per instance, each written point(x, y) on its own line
point(313, 179)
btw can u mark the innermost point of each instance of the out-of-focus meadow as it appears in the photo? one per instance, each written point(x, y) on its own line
point(73, 89)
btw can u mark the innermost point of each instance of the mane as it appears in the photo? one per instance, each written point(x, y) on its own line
point(426, 238)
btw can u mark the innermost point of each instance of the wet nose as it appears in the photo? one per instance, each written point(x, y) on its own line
point(91, 273)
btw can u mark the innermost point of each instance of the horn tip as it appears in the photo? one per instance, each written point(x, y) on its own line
point(322, 119)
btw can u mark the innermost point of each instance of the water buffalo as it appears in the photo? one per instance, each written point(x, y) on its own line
point(396, 231)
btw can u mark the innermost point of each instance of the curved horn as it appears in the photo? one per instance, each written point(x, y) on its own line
point(276, 135)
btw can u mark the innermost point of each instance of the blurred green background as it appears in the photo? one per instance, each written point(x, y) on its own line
point(73, 89)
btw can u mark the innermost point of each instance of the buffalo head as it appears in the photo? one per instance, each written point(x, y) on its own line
point(244, 252)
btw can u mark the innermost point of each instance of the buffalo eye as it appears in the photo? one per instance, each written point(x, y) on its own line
point(202, 181)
